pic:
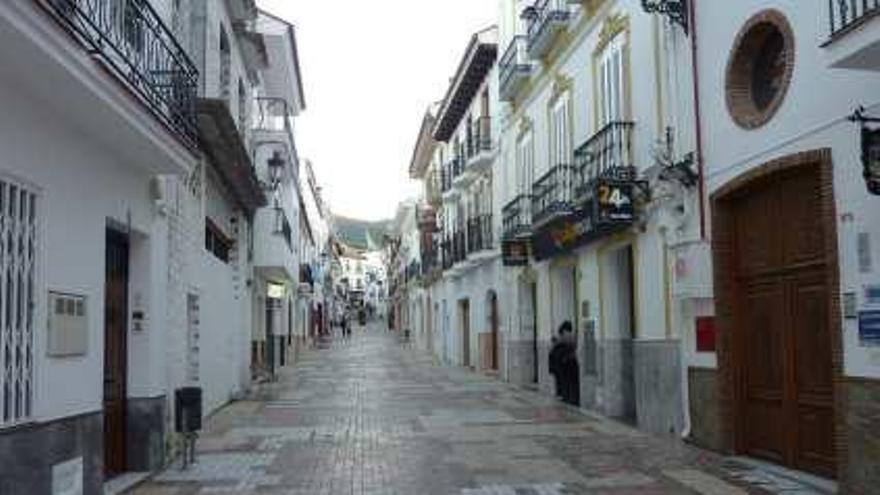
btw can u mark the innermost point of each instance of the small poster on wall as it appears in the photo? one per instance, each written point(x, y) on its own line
point(869, 328)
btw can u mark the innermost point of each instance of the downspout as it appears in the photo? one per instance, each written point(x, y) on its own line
point(698, 118)
point(701, 184)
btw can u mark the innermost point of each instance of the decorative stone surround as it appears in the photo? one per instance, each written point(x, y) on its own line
point(741, 64)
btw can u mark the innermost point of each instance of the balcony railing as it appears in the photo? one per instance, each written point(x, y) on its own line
point(459, 246)
point(847, 14)
point(136, 46)
point(479, 137)
point(430, 261)
point(607, 154)
point(514, 67)
point(517, 217)
point(282, 228)
point(479, 234)
point(552, 194)
point(446, 178)
point(545, 18)
point(453, 169)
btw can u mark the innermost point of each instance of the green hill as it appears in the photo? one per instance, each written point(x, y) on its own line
point(361, 234)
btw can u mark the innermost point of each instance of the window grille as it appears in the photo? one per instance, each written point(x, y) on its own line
point(18, 249)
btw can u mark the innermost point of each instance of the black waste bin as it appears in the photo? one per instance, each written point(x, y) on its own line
point(188, 409)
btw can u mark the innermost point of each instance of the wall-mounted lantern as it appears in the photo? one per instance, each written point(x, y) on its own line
point(870, 149)
point(676, 10)
point(276, 168)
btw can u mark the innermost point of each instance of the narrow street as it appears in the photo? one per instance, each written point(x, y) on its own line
point(372, 416)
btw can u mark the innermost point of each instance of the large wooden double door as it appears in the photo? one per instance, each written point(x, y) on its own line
point(782, 322)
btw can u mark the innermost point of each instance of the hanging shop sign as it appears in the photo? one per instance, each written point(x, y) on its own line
point(515, 252)
point(607, 207)
point(614, 202)
point(870, 148)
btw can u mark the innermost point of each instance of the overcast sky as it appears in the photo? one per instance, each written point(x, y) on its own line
point(370, 70)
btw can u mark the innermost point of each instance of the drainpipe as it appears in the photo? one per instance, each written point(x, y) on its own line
point(685, 392)
point(698, 118)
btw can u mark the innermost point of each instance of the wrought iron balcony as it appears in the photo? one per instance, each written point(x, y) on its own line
point(446, 178)
point(517, 217)
point(546, 19)
point(552, 194)
point(515, 68)
point(455, 169)
point(607, 154)
point(479, 137)
point(459, 246)
point(479, 234)
point(845, 15)
point(430, 258)
point(282, 227)
point(130, 38)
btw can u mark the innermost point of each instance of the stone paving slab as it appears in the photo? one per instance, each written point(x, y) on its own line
point(368, 416)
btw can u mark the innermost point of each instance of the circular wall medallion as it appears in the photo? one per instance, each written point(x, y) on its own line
point(759, 69)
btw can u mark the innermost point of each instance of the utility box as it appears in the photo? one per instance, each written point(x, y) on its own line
point(188, 409)
point(68, 325)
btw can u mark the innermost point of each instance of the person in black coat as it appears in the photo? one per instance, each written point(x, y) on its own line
point(566, 365)
point(553, 363)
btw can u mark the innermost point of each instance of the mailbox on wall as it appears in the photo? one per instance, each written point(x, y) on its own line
point(68, 325)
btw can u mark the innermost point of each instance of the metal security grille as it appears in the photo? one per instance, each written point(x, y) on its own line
point(18, 239)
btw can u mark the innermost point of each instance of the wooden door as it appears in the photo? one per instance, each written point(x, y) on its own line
point(115, 351)
point(783, 331)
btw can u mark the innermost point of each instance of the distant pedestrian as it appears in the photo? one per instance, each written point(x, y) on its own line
point(346, 326)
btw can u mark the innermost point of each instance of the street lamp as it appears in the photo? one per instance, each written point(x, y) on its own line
point(276, 166)
point(676, 10)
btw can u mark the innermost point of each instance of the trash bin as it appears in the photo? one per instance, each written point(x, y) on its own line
point(188, 409)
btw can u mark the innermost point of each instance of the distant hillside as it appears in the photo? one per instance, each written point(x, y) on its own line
point(361, 234)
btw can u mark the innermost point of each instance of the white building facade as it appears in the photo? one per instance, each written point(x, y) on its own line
point(778, 288)
point(139, 228)
point(455, 156)
point(583, 239)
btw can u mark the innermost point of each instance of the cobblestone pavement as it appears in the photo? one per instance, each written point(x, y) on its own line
point(369, 416)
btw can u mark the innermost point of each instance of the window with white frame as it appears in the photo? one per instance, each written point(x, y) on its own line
point(18, 238)
point(560, 130)
point(612, 82)
point(525, 164)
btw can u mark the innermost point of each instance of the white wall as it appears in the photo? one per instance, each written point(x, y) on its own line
point(803, 122)
point(81, 186)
